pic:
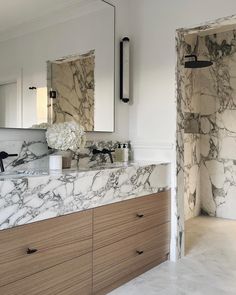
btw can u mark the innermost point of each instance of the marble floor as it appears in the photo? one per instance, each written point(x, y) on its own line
point(209, 267)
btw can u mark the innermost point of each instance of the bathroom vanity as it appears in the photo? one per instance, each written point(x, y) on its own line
point(109, 225)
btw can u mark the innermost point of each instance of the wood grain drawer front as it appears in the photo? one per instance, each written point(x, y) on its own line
point(69, 278)
point(121, 220)
point(56, 240)
point(119, 262)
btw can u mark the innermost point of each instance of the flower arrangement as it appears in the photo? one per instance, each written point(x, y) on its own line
point(66, 136)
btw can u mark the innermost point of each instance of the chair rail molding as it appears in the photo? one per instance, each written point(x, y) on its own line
point(152, 145)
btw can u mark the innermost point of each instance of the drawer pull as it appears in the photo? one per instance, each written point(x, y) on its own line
point(139, 252)
point(31, 251)
point(140, 215)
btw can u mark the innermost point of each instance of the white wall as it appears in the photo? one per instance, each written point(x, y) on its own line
point(151, 26)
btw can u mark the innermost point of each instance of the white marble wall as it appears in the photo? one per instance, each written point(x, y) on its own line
point(218, 125)
point(188, 128)
point(209, 122)
point(217, 88)
point(192, 202)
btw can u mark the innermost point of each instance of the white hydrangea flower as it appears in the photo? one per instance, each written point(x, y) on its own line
point(66, 136)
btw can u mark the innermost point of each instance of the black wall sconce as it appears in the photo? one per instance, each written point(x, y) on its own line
point(32, 88)
point(125, 69)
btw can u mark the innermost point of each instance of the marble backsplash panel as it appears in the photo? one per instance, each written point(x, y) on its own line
point(34, 154)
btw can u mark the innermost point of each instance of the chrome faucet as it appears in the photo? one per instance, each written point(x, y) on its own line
point(4, 155)
point(104, 151)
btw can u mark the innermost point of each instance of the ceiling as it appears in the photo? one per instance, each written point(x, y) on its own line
point(17, 12)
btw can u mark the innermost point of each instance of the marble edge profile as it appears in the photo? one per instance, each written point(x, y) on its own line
point(84, 171)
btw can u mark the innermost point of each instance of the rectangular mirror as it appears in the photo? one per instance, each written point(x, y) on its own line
point(62, 72)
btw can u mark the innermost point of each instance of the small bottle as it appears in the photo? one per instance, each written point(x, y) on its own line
point(118, 153)
point(125, 151)
point(131, 156)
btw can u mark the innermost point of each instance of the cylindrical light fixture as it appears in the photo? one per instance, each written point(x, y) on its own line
point(125, 69)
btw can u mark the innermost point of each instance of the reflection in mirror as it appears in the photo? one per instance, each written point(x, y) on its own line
point(83, 80)
point(8, 105)
point(42, 105)
point(72, 79)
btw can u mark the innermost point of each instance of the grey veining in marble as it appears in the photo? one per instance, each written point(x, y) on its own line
point(73, 80)
point(216, 95)
point(206, 101)
point(34, 155)
point(29, 199)
point(30, 154)
point(192, 202)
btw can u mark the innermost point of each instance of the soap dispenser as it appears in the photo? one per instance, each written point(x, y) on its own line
point(118, 153)
point(125, 153)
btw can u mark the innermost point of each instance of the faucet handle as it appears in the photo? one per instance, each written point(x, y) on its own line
point(12, 155)
point(95, 151)
point(4, 155)
point(107, 151)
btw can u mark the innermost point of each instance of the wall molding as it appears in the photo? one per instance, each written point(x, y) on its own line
point(154, 145)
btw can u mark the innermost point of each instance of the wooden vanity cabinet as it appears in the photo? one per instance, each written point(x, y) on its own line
point(129, 238)
point(89, 252)
point(53, 256)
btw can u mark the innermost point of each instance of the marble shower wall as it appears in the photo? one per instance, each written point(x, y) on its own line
point(218, 89)
point(209, 99)
point(191, 136)
point(192, 202)
point(218, 125)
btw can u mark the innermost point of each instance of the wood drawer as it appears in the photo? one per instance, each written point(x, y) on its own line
point(117, 263)
point(57, 240)
point(69, 278)
point(121, 220)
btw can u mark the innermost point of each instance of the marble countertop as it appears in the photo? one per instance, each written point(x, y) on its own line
point(26, 198)
point(26, 173)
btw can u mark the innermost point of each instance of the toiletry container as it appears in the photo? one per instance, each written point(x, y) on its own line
point(118, 153)
point(55, 162)
point(125, 153)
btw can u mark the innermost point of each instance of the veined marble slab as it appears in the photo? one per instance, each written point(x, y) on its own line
point(206, 109)
point(29, 199)
point(73, 80)
point(34, 154)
